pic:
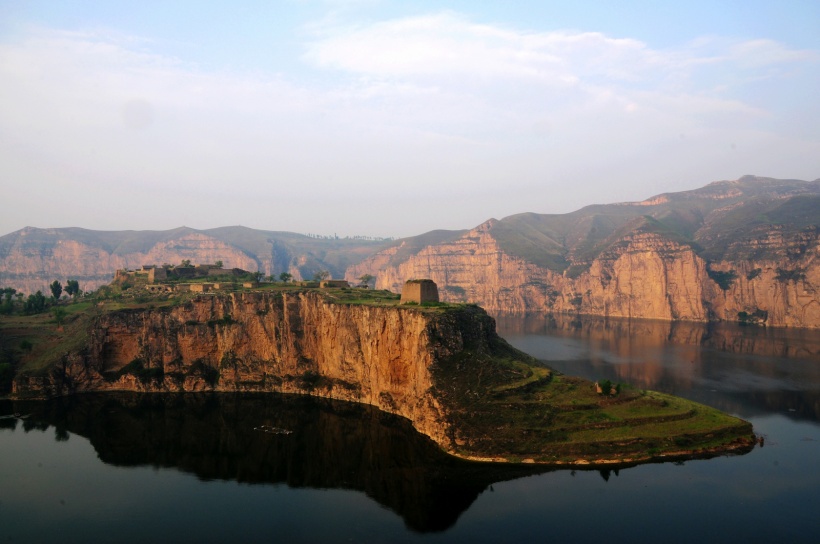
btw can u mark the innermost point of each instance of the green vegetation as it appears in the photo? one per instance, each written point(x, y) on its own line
point(757, 317)
point(72, 288)
point(504, 405)
point(783, 275)
point(56, 289)
point(59, 315)
point(723, 279)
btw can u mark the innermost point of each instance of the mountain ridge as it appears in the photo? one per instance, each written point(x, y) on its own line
point(729, 248)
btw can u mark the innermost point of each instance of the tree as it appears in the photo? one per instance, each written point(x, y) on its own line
point(72, 288)
point(56, 289)
point(186, 262)
point(258, 275)
point(7, 306)
point(59, 315)
point(35, 303)
point(218, 264)
point(284, 277)
point(321, 275)
point(365, 280)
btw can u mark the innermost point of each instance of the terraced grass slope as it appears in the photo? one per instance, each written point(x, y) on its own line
point(506, 408)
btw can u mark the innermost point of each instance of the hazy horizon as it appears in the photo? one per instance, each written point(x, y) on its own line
point(391, 119)
point(375, 237)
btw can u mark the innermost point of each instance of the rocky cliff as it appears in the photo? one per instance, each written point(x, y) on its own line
point(737, 251)
point(284, 342)
point(442, 367)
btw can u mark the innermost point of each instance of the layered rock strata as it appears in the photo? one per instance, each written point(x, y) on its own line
point(282, 342)
point(641, 275)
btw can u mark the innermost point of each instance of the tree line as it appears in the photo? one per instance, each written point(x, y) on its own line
point(12, 301)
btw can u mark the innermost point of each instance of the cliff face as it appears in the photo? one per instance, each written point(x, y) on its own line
point(737, 251)
point(293, 343)
point(787, 289)
point(471, 268)
point(644, 275)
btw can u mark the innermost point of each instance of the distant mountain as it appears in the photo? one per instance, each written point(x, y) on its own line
point(732, 250)
point(31, 258)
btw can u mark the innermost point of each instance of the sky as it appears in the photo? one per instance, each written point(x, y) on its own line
point(391, 118)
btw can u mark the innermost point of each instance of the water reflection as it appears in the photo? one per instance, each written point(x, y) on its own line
point(302, 442)
point(743, 370)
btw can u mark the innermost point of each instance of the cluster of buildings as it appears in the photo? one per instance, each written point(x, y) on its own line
point(166, 279)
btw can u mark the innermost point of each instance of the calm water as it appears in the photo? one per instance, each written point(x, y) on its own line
point(215, 468)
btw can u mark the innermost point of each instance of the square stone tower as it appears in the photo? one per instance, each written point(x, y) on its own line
point(419, 291)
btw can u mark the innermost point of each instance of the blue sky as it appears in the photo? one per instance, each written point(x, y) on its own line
point(387, 118)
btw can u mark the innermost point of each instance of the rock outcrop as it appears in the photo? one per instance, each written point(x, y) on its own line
point(443, 368)
point(283, 342)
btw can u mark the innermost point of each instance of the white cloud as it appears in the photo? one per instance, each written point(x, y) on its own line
point(517, 120)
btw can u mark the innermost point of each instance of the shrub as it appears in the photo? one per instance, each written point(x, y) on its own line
point(310, 379)
point(723, 279)
point(227, 320)
point(790, 275)
point(207, 372)
point(757, 317)
point(753, 274)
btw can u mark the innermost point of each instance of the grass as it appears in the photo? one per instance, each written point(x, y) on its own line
point(510, 408)
point(48, 341)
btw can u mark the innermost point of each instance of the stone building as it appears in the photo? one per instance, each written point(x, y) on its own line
point(419, 291)
point(157, 274)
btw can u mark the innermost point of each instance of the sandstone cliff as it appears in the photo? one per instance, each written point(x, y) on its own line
point(442, 367)
point(284, 342)
point(736, 251)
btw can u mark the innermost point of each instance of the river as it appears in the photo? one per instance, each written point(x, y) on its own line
point(267, 468)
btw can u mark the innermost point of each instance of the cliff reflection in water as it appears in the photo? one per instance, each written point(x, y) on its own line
point(245, 438)
point(746, 370)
